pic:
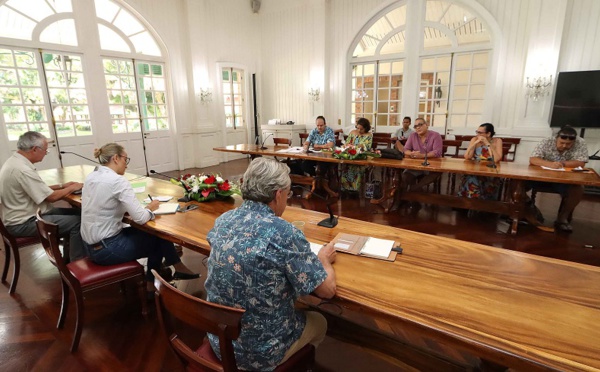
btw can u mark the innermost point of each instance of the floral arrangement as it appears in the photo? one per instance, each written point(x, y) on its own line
point(354, 153)
point(205, 187)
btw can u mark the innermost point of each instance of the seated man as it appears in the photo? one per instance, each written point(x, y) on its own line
point(418, 144)
point(322, 137)
point(261, 263)
point(22, 192)
point(564, 150)
point(402, 134)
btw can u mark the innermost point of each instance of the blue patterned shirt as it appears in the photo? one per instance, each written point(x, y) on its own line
point(316, 138)
point(261, 263)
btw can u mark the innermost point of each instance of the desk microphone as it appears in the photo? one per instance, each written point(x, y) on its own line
point(425, 162)
point(330, 222)
point(169, 178)
point(262, 146)
point(81, 156)
point(493, 163)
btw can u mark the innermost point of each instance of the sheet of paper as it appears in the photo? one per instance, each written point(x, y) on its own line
point(377, 247)
point(560, 169)
point(291, 150)
point(160, 198)
point(167, 208)
point(315, 247)
point(139, 187)
point(343, 246)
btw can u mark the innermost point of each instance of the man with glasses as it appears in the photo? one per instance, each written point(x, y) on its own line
point(565, 150)
point(22, 192)
point(422, 141)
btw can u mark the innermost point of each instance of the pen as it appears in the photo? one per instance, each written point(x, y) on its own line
point(150, 197)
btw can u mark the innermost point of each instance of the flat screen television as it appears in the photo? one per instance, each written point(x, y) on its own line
point(577, 100)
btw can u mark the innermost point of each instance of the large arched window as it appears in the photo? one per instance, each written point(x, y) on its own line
point(44, 85)
point(451, 60)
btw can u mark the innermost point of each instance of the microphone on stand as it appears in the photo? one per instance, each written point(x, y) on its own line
point(493, 163)
point(262, 146)
point(330, 222)
point(425, 162)
point(81, 156)
point(184, 199)
point(169, 177)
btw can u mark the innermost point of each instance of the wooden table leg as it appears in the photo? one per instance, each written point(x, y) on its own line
point(520, 209)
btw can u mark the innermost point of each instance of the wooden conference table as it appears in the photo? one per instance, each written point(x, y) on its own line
point(515, 206)
point(515, 309)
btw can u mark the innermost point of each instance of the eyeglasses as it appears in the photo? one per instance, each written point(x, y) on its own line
point(480, 132)
point(417, 126)
point(127, 160)
point(47, 150)
point(569, 137)
point(290, 194)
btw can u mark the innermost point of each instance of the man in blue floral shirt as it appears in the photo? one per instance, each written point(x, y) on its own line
point(322, 137)
point(261, 263)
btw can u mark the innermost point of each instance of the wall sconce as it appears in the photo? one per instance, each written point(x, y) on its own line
point(205, 95)
point(538, 87)
point(314, 94)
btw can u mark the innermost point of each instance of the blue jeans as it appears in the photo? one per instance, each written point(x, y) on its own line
point(131, 244)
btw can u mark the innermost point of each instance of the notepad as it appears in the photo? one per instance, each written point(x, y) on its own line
point(139, 187)
point(167, 208)
point(291, 150)
point(377, 247)
point(315, 247)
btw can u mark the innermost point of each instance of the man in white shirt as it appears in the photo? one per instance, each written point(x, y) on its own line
point(22, 192)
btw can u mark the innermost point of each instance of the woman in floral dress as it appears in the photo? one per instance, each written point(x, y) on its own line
point(359, 138)
point(482, 147)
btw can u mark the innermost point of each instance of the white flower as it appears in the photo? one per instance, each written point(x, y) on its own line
point(219, 179)
point(202, 178)
point(195, 188)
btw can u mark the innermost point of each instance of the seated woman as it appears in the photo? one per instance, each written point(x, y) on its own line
point(482, 147)
point(359, 138)
point(106, 197)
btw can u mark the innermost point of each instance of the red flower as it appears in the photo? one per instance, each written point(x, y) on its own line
point(225, 186)
point(210, 179)
point(352, 152)
point(186, 176)
point(338, 151)
point(207, 192)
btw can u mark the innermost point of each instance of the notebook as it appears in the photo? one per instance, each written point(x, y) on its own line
point(167, 208)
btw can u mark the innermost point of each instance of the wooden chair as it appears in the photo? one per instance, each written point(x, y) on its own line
point(455, 144)
point(278, 141)
point(207, 317)
point(12, 244)
point(512, 149)
point(303, 137)
point(339, 134)
point(83, 276)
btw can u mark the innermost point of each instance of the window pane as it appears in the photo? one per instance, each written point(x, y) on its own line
point(60, 32)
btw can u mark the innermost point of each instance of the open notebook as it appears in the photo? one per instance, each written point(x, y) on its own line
point(167, 208)
point(361, 246)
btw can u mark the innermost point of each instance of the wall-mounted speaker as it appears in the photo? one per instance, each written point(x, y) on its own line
point(255, 6)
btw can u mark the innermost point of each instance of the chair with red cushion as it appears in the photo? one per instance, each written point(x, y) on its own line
point(12, 244)
point(83, 275)
point(207, 317)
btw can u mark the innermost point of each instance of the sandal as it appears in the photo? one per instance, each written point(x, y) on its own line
point(563, 226)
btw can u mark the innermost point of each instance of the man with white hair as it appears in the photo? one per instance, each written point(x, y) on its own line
point(262, 263)
point(22, 192)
